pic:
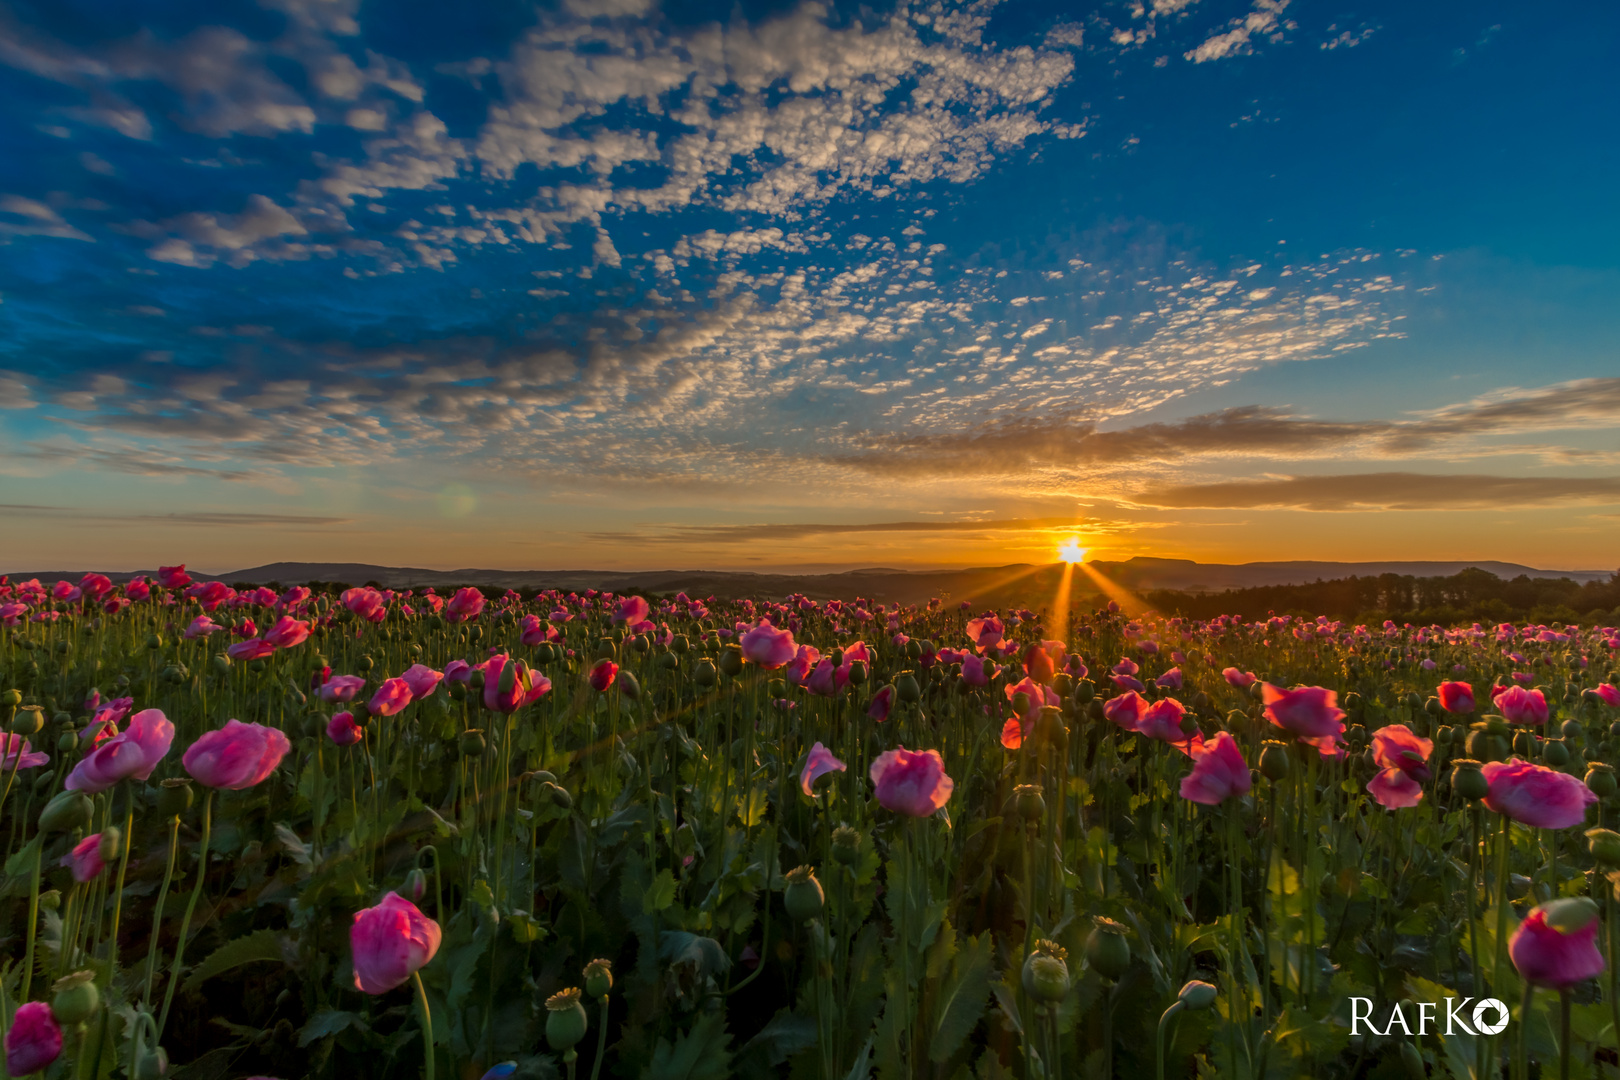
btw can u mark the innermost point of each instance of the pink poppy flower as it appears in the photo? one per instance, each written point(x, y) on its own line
point(1609, 695)
point(1038, 664)
point(767, 646)
point(34, 1039)
point(368, 604)
point(65, 592)
point(287, 632)
point(527, 685)
point(1127, 682)
point(95, 586)
point(1219, 772)
point(1310, 713)
point(342, 729)
point(1558, 957)
point(131, 754)
point(85, 859)
point(1242, 680)
point(1125, 709)
point(457, 671)
point(1126, 666)
point(236, 756)
point(138, 589)
point(201, 627)
point(341, 688)
point(466, 604)
point(390, 699)
point(882, 704)
point(390, 943)
point(422, 680)
point(804, 661)
point(210, 594)
point(603, 675)
point(978, 672)
point(1170, 680)
point(1520, 706)
point(1535, 795)
point(12, 745)
point(986, 633)
point(173, 577)
point(536, 632)
point(631, 609)
point(1456, 697)
point(11, 614)
point(826, 680)
point(251, 649)
point(911, 782)
point(817, 764)
point(1402, 757)
point(1162, 721)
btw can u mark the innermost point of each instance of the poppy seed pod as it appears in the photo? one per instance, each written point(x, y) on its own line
point(565, 1020)
point(598, 978)
point(846, 845)
point(1274, 760)
point(75, 998)
point(28, 722)
point(1046, 973)
point(1107, 951)
point(1600, 779)
point(679, 645)
point(1604, 845)
point(1555, 752)
point(174, 797)
point(803, 897)
point(1468, 781)
point(704, 674)
point(857, 672)
point(1029, 802)
point(906, 688)
point(472, 742)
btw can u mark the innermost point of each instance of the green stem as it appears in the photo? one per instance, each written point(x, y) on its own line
point(157, 915)
point(33, 922)
point(601, 1039)
point(427, 1025)
point(1164, 1024)
point(191, 907)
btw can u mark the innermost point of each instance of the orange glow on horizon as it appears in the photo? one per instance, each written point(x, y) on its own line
point(1071, 552)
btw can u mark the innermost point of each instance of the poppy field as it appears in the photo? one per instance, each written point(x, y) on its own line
point(363, 833)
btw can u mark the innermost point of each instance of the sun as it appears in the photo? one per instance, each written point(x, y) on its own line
point(1070, 551)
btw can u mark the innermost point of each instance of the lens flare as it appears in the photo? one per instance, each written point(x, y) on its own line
point(1070, 551)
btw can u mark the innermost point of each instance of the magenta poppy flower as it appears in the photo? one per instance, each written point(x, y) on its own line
point(11, 614)
point(1456, 697)
point(817, 764)
point(631, 609)
point(1310, 713)
point(978, 672)
point(1129, 683)
point(1219, 772)
point(882, 704)
point(342, 729)
point(1535, 795)
point(457, 671)
point(603, 675)
point(85, 859)
point(536, 632)
point(986, 633)
point(111, 712)
point(173, 577)
point(1520, 706)
point(466, 604)
point(1241, 680)
point(236, 756)
point(341, 688)
point(911, 782)
point(1609, 695)
point(34, 1039)
point(767, 646)
point(1555, 957)
point(1038, 665)
point(1170, 680)
point(390, 943)
point(95, 586)
point(804, 661)
point(210, 594)
point(1403, 760)
point(1126, 666)
point(131, 754)
point(12, 746)
point(251, 649)
point(391, 698)
point(527, 686)
point(287, 632)
point(422, 680)
point(1125, 709)
point(201, 627)
point(1162, 721)
point(65, 592)
point(826, 680)
point(138, 589)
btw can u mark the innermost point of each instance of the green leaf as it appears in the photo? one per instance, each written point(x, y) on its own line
point(660, 894)
point(23, 862)
point(259, 945)
point(680, 947)
point(752, 809)
point(863, 1062)
point(787, 1034)
point(296, 848)
point(699, 1054)
point(961, 1001)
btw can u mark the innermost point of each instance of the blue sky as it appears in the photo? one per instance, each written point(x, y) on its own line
point(604, 283)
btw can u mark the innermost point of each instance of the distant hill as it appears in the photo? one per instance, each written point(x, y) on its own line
point(1018, 584)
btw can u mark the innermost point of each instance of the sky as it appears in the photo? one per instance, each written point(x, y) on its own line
point(609, 284)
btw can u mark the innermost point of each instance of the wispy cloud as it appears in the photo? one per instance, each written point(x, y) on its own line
point(1388, 491)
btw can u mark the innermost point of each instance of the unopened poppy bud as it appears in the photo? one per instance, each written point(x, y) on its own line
point(1604, 845)
point(415, 885)
point(668, 661)
point(1570, 914)
point(837, 658)
point(629, 686)
point(51, 900)
point(1197, 994)
point(640, 643)
point(1029, 802)
point(1468, 781)
point(1274, 760)
point(1107, 951)
point(174, 797)
point(11, 698)
point(777, 689)
point(857, 672)
point(605, 649)
point(1600, 779)
point(565, 1020)
point(1573, 730)
point(1020, 703)
point(598, 978)
point(906, 688)
point(68, 810)
point(912, 649)
point(679, 645)
point(111, 841)
point(507, 680)
point(803, 896)
point(1188, 724)
point(153, 1065)
point(75, 998)
point(366, 663)
point(221, 663)
point(846, 845)
point(685, 840)
point(1555, 752)
point(1433, 707)
point(560, 797)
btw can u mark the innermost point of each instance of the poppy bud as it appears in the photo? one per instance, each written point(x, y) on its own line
point(668, 661)
point(565, 1020)
point(906, 688)
point(1468, 781)
point(857, 672)
point(75, 998)
point(598, 978)
point(475, 679)
point(11, 698)
point(1604, 845)
point(51, 900)
point(153, 1065)
point(776, 688)
point(604, 649)
point(415, 885)
point(1600, 779)
point(1020, 703)
point(1274, 760)
point(1555, 752)
point(1107, 951)
point(221, 663)
point(1188, 724)
point(837, 658)
point(1573, 730)
point(68, 810)
point(803, 896)
point(640, 643)
point(174, 797)
point(1433, 707)
point(1524, 744)
point(628, 685)
point(111, 841)
point(1197, 994)
point(913, 649)
point(679, 645)
point(685, 840)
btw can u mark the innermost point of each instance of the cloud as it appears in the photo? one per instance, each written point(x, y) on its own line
point(200, 239)
point(1387, 491)
point(1264, 20)
point(29, 217)
point(199, 519)
point(743, 534)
